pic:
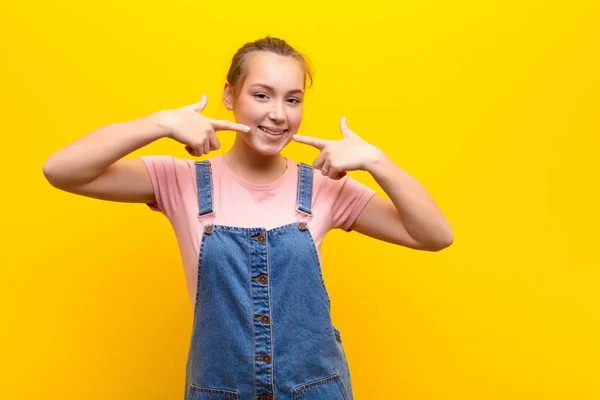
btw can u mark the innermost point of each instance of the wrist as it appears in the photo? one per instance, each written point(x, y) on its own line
point(375, 156)
point(159, 124)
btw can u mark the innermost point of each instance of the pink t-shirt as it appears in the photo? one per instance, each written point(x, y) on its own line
point(237, 202)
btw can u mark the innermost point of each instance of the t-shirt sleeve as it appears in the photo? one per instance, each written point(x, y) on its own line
point(348, 197)
point(170, 176)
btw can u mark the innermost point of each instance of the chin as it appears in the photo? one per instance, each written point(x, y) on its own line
point(267, 147)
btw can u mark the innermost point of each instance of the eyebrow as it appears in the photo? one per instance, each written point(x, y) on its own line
point(272, 89)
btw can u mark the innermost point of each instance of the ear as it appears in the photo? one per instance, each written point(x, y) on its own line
point(228, 96)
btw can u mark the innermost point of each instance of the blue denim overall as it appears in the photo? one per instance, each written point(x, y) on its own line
point(262, 327)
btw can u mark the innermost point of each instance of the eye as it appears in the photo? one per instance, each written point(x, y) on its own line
point(294, 100)
point(261, 96)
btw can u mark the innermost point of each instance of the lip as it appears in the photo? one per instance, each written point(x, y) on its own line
point(279, 130)
point(271, 137)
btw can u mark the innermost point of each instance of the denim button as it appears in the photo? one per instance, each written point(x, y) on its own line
point(263, 318)
point(262, 278)
point(208, 229)
point(260, 238)
point(302, 225)
point(266, 358)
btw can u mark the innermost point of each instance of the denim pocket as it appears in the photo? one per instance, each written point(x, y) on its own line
point(206, 393)
point(330, 388)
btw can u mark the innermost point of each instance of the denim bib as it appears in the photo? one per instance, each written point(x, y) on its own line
point(262, 326)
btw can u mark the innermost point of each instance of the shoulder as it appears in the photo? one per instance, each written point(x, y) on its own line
point(323, 183)
point(166, 161)
point(341, 193)
point(170, 163)
point(168, 171)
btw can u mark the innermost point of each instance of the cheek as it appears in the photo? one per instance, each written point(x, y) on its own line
point(250, 111)
point(295, 117)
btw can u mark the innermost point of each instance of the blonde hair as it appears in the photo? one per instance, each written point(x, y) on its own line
point(238, 69)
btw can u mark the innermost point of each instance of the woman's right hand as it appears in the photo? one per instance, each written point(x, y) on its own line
point(197, 132)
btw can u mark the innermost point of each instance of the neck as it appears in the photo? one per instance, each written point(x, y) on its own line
point(253, 166)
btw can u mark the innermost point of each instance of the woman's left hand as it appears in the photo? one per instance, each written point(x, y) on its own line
point(338, 156)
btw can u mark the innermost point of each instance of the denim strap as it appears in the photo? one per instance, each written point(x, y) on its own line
point(305, 185)
point(204, 184)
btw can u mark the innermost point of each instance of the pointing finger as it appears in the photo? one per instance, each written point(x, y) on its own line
point(221, 125)
point(311, 141)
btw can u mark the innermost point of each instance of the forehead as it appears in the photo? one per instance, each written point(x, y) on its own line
point(282, 72)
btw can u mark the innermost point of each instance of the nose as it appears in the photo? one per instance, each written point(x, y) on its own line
point(277, 115)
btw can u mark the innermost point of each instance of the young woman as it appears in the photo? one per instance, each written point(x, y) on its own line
point(250, 223)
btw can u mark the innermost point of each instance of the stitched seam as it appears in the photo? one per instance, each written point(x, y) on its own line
point(270, 312)
point(203, 176)
point(305, 178)
point(249, 248)
point(298, 187)
point(199, 274)
point(227, 228)
point(311, 385)
point(343, 387)
point(308, 235)
point(229, 393)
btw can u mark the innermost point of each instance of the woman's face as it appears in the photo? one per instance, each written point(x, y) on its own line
point(270, 101)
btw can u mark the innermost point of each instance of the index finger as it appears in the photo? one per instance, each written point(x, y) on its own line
point(221, 125)
point(311, 141)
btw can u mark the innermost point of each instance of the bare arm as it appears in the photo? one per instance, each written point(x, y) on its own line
point(410, 218)
point(94, 166)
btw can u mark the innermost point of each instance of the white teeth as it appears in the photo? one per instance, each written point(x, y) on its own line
point(262, 128)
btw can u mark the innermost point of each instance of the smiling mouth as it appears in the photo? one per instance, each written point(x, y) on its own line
point(271, 132)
